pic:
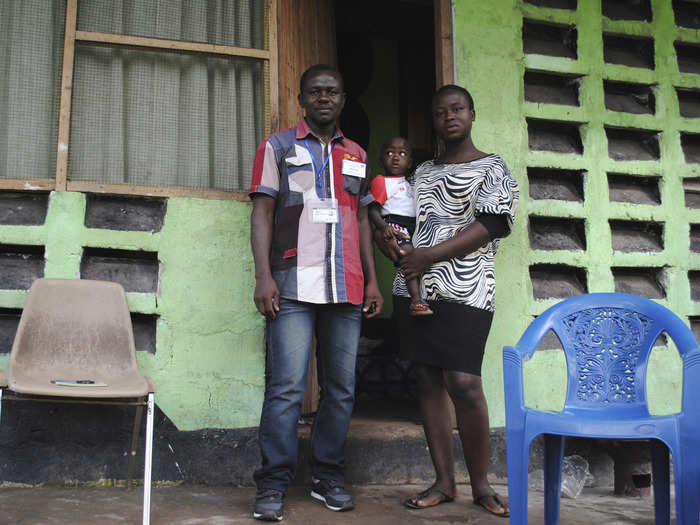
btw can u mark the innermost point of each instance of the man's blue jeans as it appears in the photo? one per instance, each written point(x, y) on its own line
point(289, 342)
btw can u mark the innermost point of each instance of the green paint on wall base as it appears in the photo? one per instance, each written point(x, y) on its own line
point(210, 359)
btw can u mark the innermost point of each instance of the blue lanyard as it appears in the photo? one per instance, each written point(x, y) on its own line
point(320, 182)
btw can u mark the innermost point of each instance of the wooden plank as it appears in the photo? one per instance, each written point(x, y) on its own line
point(312, 394)
point(444, 74)
point(444, 45)
point(170, 45)
point(66, 91)
point(273, 88)
point(289, 113)
point(156, 191)
point(28, 184)
point(299, 50)
point(316, 44)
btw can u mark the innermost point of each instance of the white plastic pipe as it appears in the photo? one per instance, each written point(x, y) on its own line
point(147, 462)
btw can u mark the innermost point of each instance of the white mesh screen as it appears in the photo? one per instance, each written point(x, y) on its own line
point(162, 119)
point(31, 53)
point(225, 22)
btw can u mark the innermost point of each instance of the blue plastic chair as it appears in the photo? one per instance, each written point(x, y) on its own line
point(607, 339)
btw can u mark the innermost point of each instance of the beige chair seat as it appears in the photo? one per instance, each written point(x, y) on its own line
point(39, 383)
point(72, 331)
point(76, 330)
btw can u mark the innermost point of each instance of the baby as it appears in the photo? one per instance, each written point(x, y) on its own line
point(394, 213)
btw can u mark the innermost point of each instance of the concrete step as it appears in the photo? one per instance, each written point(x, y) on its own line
point(47, 443)
point(385, 451)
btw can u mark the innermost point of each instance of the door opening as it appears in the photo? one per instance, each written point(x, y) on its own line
point(392, 54)
point(387, 55)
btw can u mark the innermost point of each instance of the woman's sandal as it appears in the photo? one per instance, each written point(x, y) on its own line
point(428, 498)
point(484, 501)
point(419, 308)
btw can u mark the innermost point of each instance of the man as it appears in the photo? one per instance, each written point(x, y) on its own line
point(314, 271)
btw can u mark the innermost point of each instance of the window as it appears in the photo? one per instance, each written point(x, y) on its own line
point(31, 52)
point(164, 97)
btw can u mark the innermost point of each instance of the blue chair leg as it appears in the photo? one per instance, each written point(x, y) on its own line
point(690, 513)
point(518, 456)
point(553, 456)
point(685, 472)
point(660, 476)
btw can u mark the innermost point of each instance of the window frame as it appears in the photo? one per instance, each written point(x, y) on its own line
point(60, 180)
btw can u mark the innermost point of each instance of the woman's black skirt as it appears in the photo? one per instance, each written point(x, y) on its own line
point(453, 338)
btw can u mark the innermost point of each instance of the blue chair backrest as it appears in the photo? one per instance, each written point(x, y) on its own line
point(607, 339)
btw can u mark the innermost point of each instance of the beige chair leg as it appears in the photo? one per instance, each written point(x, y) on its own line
point(134, 442)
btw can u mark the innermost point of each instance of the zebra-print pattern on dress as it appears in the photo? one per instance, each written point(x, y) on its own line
point(448, 199)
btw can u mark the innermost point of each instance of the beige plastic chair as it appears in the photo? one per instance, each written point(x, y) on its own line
point(75, 342)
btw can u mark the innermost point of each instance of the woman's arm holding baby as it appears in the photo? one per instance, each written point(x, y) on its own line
point(470, 239)
point(384, 235)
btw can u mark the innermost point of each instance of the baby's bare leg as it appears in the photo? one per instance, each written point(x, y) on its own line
point(418, 305)
point(413, 289)
point(411, 284)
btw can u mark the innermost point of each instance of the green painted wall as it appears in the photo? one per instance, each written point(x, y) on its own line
point(209, 364)
point(491, 64)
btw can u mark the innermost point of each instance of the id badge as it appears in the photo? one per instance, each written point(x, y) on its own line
point(354, 168)
point(323, 211)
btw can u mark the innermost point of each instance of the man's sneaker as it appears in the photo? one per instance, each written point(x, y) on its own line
point(268, 505)
point(332, 494)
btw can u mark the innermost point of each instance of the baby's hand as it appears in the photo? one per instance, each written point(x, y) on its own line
point(388, 233)
point(399, 235)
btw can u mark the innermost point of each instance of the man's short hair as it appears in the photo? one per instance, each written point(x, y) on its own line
point(316, 68)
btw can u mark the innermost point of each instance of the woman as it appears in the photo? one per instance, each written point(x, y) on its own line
point(465, 200)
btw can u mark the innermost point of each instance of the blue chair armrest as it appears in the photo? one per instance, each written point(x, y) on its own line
point(533, 335)
point(513, 379)
point(691, 382)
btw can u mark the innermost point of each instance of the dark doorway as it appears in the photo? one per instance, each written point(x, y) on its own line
point(386, 53)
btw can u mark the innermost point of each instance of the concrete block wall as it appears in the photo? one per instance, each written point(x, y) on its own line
point(622, 81)
point(186, 267)
point(136, 270)
point(595, 106)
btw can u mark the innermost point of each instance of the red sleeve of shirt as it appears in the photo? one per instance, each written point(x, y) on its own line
point(265, 177)
point(378, 189)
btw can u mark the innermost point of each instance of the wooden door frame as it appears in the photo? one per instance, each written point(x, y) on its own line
point(444, 42)
point(286, 71)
